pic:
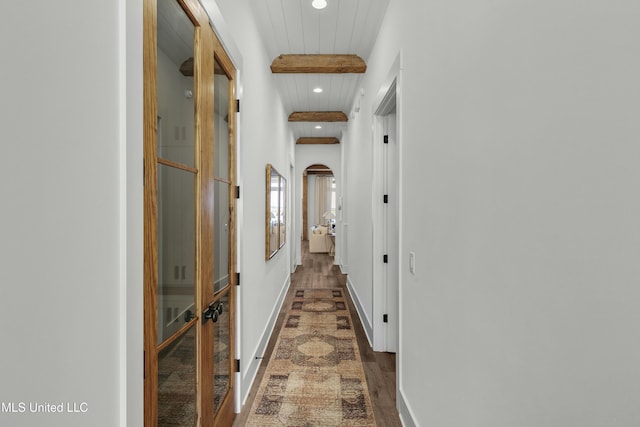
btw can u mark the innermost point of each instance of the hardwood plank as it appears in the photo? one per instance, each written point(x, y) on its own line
point(318, 116)
point(322, 64)
point(310, 140)
point(318, 271)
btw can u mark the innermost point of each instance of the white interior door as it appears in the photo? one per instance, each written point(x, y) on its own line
point(391, 232)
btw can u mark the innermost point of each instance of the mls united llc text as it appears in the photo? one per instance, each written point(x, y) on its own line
point(44, 407)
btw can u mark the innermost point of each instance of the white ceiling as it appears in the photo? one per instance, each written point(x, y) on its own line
point(295, 27)
point(175, 32)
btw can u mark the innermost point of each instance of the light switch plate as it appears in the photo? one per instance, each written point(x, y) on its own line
point(412, 262)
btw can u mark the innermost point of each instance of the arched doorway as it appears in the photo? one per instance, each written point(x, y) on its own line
point(318, 198)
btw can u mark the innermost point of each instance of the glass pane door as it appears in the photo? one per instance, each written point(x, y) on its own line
point(221, 354)
point(223, 239)
point(176, 250)
point(189, 211)
point(176, 209)
point(221, 236)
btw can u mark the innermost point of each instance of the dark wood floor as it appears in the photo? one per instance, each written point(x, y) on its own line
point(318, 271)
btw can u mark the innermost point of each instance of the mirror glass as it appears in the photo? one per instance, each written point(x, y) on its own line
point(274, 185)
point(276, 219)
point(282, 213)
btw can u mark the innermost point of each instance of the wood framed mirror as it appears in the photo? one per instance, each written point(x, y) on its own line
point(275, 208)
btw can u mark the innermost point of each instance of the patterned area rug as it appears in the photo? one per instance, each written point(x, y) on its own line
point(315, 375)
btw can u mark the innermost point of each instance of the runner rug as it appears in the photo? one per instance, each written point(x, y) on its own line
point(315, 376)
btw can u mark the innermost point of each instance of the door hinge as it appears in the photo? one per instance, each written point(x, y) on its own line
point(386, 139)
point(237, 365)
point(144, 365)
point(237, 105)
point(237, 279)
point(385, 198)
point(237, 191)
point(385, 258)
point(385, 318)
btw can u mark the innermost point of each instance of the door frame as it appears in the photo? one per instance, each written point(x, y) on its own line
point(386, 333)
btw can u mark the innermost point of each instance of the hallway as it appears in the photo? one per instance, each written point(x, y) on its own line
point(317, 271)
point(518, 239)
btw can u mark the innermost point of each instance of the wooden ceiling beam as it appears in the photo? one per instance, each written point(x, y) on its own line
point(323, 64)
point(318, 170)
point(318, 116)
point(318, 140)
point(186, 68)
point(318, 166)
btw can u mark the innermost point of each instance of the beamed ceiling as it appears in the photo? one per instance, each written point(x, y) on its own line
point(312, 48)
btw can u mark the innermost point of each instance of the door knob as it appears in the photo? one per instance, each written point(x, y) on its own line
point(212, 312)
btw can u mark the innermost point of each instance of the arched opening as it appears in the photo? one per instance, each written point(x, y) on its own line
point(319, 207)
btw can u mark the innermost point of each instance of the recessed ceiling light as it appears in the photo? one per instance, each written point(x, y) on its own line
point(319, 4)
point(318, 127)
point(318, 90)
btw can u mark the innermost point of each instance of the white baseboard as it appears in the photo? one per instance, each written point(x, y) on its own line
point(406, 415)
point(366, 324)
point(254, 360)
point(343, 268)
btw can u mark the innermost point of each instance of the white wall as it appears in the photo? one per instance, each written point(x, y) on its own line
point(65, 220)
point(264, 138)
point(132, 231)
point(520, 168)
point(357, 202)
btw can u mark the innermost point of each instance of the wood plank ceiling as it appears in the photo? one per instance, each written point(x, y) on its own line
point(293, 30)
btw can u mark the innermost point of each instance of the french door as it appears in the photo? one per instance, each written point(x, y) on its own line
point(189, 157)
